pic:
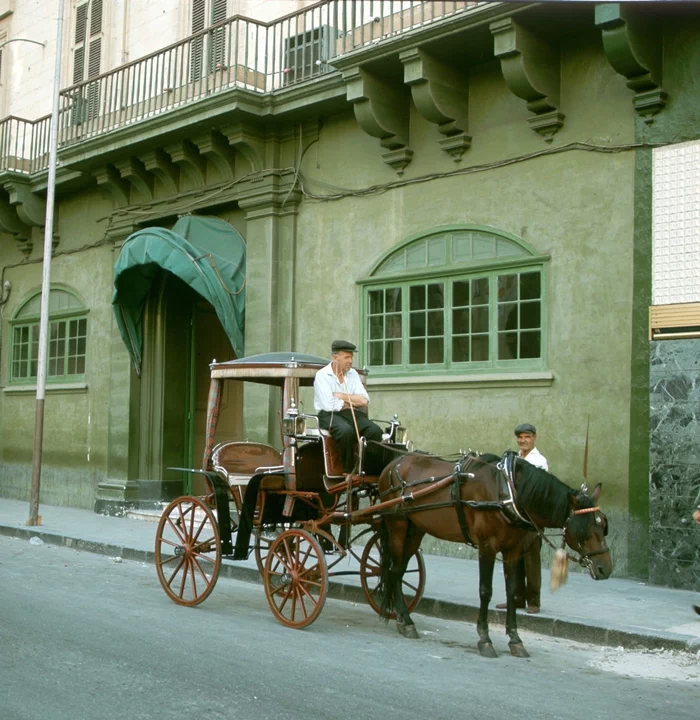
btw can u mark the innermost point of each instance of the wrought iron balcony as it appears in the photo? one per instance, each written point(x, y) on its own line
point(240, 53)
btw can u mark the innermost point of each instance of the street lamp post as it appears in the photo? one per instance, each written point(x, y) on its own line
point(34, 518)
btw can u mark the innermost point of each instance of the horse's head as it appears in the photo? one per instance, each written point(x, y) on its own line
point(585, 532)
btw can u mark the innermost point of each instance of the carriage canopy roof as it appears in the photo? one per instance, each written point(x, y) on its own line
point(204, 252)
point(271, 368)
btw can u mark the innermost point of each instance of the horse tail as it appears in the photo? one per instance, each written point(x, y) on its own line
point(386, 586)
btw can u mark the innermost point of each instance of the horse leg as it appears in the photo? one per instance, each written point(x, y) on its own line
point(487, 559)
point(404, 623)
point(511, 569)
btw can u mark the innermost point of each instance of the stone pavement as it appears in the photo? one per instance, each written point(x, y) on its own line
point(616, 612)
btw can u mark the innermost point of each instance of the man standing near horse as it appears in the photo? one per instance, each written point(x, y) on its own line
point(530, 564)
point(341, 403)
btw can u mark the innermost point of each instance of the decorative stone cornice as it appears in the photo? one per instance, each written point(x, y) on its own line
point(531, 70)
point(217, 150)
point(9, 220)
point(133, 171)
point(441, 96)
point(31, 208)
point(633, 45)
point(163, 168)
point(270, 195)
point(382, 110)
point(109, 179)
point(193, 165)
point(248, 141)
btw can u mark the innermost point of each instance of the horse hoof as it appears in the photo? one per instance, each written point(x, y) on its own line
point(486, 650)
point(408, 631)
point(518, 650)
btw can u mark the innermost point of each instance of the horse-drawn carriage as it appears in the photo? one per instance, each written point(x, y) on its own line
point(281, 506)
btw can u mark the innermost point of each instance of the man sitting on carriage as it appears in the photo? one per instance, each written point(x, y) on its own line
point(341, 403)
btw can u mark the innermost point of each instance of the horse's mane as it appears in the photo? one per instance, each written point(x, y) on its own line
point(542, 493)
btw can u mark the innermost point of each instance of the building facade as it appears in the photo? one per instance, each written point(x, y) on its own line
point(464, 188)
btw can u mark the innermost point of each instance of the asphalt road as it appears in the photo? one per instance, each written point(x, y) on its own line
point(85, 638)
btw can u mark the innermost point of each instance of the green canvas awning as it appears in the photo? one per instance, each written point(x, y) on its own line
point(204, 252)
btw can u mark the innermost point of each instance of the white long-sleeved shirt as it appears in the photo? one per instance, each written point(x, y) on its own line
point(536, 458)
point(326, 383)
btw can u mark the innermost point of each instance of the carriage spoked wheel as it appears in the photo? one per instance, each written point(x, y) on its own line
point(296, 578)
point(188, 551)
point(264, 537)
point(412, 585)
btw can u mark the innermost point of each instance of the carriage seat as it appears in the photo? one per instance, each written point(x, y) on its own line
point(239, 461)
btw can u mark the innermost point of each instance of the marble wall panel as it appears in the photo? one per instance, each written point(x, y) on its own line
point(674, 398)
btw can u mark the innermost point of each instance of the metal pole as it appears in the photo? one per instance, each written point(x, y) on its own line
point(34, 518)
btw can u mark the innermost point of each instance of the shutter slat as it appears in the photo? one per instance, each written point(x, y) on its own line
point(96, 17)
point(218, 11)
point(78, 65)
point(94, 58)
point(81, 13)
point(199, 13)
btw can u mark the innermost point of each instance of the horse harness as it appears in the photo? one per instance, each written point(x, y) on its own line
point(506, 503)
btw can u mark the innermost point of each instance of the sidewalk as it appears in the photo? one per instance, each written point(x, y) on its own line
point(614, 612)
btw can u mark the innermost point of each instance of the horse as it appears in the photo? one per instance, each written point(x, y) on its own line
point(470, 508)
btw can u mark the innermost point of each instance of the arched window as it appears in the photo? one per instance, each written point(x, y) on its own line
point(67, 338)
point(468, 299)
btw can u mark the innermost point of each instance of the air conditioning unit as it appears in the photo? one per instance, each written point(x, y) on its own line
point(306, 55)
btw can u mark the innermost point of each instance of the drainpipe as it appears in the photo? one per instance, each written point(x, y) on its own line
point(34, 518)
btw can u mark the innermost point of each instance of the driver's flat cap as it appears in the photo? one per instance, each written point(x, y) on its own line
point(525, 427)
point(345, 345)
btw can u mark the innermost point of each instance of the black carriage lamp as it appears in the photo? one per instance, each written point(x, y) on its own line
point(293, 423)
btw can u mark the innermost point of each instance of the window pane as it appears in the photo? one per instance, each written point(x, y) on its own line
point(72, 364)
point(508, 316)
point(415, 256)
point(530, 315)
point(393, 326)
point(461, 247)
point(507, 288)
point(376, 302)
point(460, 349)
point(480, 348)
point(82, 327)
point(460, 294)
point(417, 352)
point(417, 297)
point(530, 286)
point(393, 300)
point(417, 325)
point(480, 291)
point(72, 346)
point(33, 368)
point(530, 345)
point(393, 352)
point(508, 346)
point(437, 251)
point(484, 247)
point(80, 367)
point(81, 346)
point(480, 319)
point(460, 321)
point(376, 328)
point(436, 350)
point(51, 371)
point(436, 296)
point(436, 323)
point(375, 353)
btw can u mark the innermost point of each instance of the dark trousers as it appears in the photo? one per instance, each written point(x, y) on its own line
point(342, 430)
point(530, 571)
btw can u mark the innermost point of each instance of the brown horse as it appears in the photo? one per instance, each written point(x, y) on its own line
point(471, 508)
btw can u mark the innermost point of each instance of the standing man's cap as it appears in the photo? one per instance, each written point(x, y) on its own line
point(339, 345)
point(525, 427)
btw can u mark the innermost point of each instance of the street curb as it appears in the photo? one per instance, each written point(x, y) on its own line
point(434, 607)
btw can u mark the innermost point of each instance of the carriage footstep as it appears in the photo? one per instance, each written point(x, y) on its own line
point(408, 631)
point(487, 650)
point(518, 650)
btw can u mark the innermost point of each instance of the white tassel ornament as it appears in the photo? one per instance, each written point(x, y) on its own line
point(560, 570)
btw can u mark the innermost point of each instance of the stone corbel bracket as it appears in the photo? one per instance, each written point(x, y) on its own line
point(163, 168)
point(382, 110)
point(531, 70)
point(217, 150)
point(133, 171)
point(185, 155)
point(109, 180)
point(248, 142)
point(31, 209)
point(633, 46)
point(441, 95)
point(10, 222)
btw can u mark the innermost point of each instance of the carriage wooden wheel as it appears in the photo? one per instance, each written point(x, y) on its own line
point(412, 585)
point(296, 578)
point(264, 537)
point(188, 551)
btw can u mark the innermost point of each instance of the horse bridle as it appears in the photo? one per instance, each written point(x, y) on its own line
point(584, 558)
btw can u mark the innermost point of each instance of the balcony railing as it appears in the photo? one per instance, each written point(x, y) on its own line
point(238, 53)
